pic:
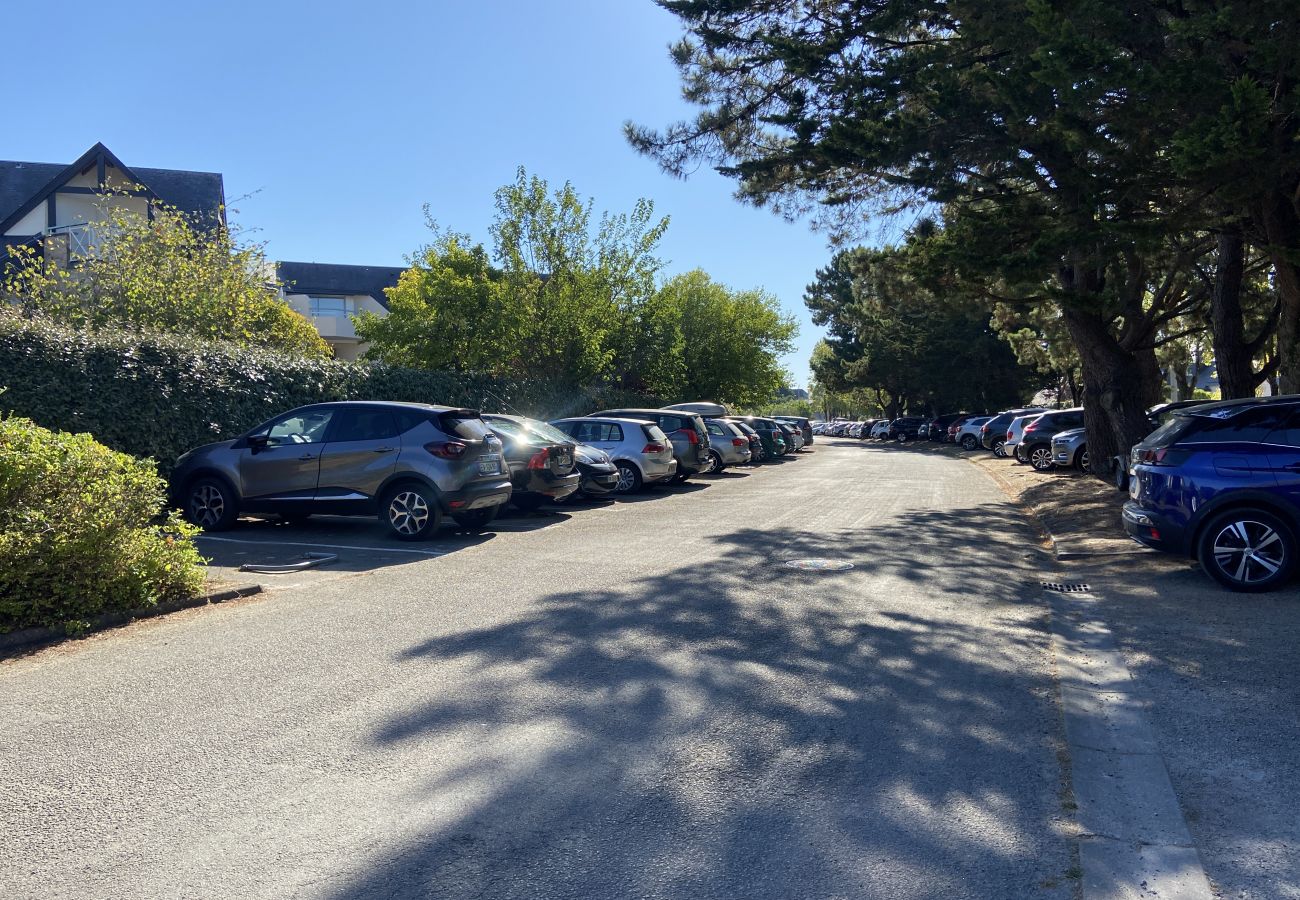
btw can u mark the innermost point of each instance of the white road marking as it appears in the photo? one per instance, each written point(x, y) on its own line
point(205, 537)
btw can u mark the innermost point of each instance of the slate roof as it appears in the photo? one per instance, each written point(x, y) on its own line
point(331, 278)
point(199, 194)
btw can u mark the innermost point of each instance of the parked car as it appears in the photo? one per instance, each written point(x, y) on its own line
point(542, 467)
point(993, 433)
point(792, 435)
point(880, 430)
point(756, 451)
point(1122, 466)
point(684, 428)
point(768, 432)
point(640, 451)
point(1014, 432)
point(1070, 449)
point(1221, 482)
point(967, 433)
point(597, 474)
point(803, 424)
point(905, 428)
point(1035, 445)
point(728, 445)
point(938, 428)
point(410, 463)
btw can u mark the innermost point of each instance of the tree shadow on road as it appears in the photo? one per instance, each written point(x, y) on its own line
point(733, 728)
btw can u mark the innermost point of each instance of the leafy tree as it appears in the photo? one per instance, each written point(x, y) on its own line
point(165, 273)
point(579, 283)
point(891, 334)
point(1035, 133)
point(451, 310)
point(731, 340)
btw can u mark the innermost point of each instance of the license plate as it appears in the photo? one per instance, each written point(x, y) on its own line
point(489, 466)
point(563, 460)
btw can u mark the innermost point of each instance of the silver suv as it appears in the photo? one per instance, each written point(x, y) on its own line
point(410, 463)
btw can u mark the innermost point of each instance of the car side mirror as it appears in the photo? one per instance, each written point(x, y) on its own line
point(258, 442)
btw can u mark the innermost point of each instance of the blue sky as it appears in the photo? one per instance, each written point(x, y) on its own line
point(336, 121)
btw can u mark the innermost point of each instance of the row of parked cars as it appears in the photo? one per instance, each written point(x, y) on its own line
point(414, 464)
point(1217, 481)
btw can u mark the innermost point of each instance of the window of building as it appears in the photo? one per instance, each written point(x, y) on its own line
point(332, 306)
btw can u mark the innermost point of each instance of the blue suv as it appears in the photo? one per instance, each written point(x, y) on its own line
point(1221, 482)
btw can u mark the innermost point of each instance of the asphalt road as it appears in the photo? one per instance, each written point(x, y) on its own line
point(634, 699)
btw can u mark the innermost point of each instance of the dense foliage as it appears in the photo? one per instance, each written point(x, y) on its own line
point(1113, 167)
point(161, 273)
point(565, 294)
point(913, 350)
point(160, 395)
point(77, 532)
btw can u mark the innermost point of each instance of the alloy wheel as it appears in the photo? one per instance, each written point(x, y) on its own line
point(1041, 458)
point(207, 506)
point(408, 512)
point(626, 478)
point(1248, 551)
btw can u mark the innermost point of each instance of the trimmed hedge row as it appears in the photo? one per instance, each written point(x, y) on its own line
point(160, 395)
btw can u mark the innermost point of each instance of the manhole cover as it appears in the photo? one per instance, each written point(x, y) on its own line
point(1065, 587)
point(818, 565)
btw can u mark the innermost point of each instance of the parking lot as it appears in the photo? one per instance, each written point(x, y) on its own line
point(638, 698)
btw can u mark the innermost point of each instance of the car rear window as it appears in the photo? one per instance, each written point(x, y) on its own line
point(462, 425)
point(547, 430)
point(654, 433)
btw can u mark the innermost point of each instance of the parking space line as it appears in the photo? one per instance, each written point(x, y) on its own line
point(205, 537)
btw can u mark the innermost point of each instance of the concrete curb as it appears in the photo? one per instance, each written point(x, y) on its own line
point(1134, 840)
point(28, 639)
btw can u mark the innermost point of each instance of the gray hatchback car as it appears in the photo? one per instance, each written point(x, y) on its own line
point(640, 450)
point(684, 428)
point(410, 463)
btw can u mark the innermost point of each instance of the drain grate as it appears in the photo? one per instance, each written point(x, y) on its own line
point(818, 565)
point(1066, 587)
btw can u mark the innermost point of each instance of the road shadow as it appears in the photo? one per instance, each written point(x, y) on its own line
point(734, 728)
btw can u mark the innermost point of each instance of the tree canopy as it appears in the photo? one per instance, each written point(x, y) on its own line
point(165, 273)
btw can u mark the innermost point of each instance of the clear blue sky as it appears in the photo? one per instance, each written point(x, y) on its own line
point(341, 119)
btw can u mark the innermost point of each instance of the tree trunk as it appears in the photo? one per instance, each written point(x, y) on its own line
point(1117, 389)
point(1282, 229)
point(1231, 355)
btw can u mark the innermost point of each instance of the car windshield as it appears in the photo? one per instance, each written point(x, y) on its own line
point(548, 431)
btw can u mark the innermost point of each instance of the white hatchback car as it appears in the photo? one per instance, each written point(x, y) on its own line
point(880, 430)
point(1015, 432)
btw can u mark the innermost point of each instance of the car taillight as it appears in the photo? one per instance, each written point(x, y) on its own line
point(691, 436)
point(653, 448)
point(1009, 433)
point(541, 459)
point(1165, 456)
point(739, 442)
point(447, 449)
point(984, 429)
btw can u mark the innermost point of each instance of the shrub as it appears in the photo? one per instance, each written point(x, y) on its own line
point(156, 395)
point(77, 537)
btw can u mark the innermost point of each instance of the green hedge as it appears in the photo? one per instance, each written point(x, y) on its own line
point(160, 395)
point(77, 532)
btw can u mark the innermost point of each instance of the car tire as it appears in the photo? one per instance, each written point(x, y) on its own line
point(629, 478)
point(210, 504)
point(1040, 457)
point(1120, 472)
point(1000, 449)
point(411, 512)
point(680, 477)
point(1081, 459)
point(1247, 550)
point(477, 519)
point(969, 442)
point(718, 464)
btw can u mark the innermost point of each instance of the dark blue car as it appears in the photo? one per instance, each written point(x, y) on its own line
point(1221, 482)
